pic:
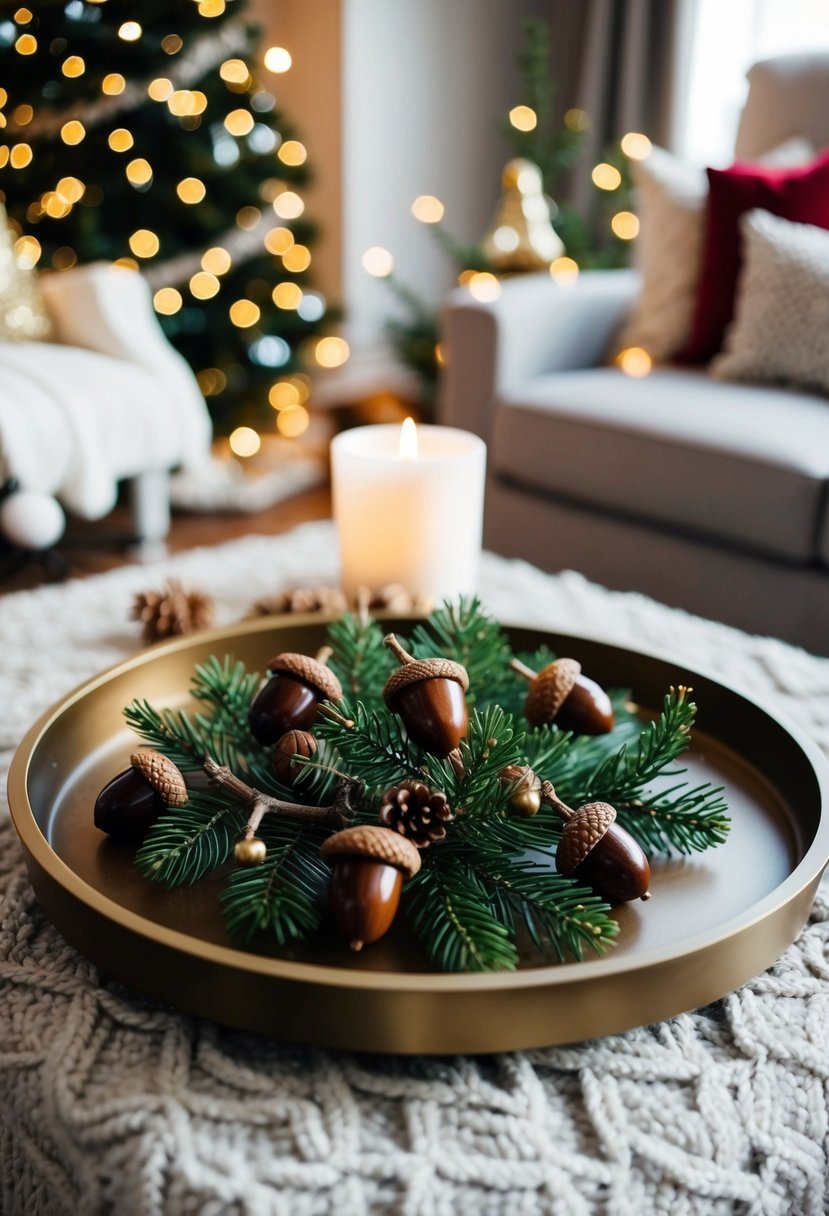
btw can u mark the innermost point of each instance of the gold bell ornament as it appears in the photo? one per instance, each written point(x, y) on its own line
point(521, 236)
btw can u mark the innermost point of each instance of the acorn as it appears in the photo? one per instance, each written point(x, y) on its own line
point(288, 700)
point(130, 803)
point(429, 695)
point(285, 751)
point(560, 693)
point(598, 851)
point(523, 789)
point(368, 865)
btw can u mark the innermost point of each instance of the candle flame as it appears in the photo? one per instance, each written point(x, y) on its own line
point(408, 440)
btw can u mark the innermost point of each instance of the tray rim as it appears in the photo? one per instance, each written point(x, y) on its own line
point(806, 873)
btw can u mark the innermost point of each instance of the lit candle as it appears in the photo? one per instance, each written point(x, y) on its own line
point(408, 503)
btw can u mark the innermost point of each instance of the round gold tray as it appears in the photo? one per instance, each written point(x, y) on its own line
point(715, 920)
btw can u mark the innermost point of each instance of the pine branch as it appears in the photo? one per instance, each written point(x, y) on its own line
point(172, 732)
point(465, 632)
point(557, 912)
point(228, 689)
point(282, 896)
point(681, 819)
point(477, 793)
point(182, 846)
point(449, 910)
point(360, 660)
point(373, 747)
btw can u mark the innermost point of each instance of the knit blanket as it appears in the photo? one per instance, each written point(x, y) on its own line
point(110, 1102)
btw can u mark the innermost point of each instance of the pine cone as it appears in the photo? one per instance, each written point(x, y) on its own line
point(300, 599)
point(394, 597)
point(417, 812)
point(171, 611)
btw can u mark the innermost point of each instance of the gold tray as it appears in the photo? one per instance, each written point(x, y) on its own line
point(716, 919)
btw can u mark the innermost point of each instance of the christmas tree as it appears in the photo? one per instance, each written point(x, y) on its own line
point(142, 135)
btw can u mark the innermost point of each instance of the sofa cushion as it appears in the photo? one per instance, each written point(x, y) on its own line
point(736, 463)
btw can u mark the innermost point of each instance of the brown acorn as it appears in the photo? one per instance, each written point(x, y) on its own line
point(130, 803)
point(598, 851)
point(287, 747)
point(288, 700)
point(523, 788)
point(429, 695)
point(368, 865)
point(560, 693)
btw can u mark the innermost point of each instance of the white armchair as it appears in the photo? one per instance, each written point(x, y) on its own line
point(108, 400)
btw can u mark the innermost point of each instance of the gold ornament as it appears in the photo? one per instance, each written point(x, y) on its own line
point(250, 852)
point(521, 236)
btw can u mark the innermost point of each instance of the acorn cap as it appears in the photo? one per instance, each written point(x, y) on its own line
point(375, 843)
point(162, 775)
point(424, 669)
point(582, 832)
point(550, 689)
point(304, 668)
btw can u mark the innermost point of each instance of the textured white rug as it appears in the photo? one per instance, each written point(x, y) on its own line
point(110, 1103)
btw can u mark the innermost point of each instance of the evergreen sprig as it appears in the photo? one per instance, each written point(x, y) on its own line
point(486, 895)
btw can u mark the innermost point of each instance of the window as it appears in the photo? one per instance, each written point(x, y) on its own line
point(728, 37)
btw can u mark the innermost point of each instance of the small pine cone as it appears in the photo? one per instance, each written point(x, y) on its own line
point(171, 611)
point(417, 812)
point(394, 597)
point(300, 599)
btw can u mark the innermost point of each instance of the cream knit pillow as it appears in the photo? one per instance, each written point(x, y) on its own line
point(780, 330)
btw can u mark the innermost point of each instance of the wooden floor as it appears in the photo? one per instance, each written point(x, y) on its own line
point(93, 548)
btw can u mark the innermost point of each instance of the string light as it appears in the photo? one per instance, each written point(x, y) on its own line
point(235, 71)
point(171, 44)
point(427, 209)
point(26, 44)
point(130, 31)
point(73, 66)
point(144, 243)
point(23, 115)
point(288, 205)
point(636, 145)
point(625, 225)
point(331, 352)
point(204, 285)
point(4, 155)
point(277, 59)
point(191, 190)
point(296, 259)
point(211, 8)
point(606, 177)
point(120, 140)
point(244, 441)
point(378, 261)
point(139, 172)
point(64, 258)
point(21, 156)
point(239, 122)
point(27, 252)
point(160, 89)
point(283, 394)
point(279, 240)
point(180, 102)
point(293, 421)
point(287, 295)
point(247, 218)
point(523, 118)
point(4, 97)
point(167, 301)
point(244, 313)
point(292, 152)
point(212, 381)
point(634, 361)
point(70, 188)
point(216, 260)
point(72, 132)
point(56, 208)
point(23, 16)
point(564, 270)
point(484, 286)
point(199, 102)
point(126, 264)
point(113, 84)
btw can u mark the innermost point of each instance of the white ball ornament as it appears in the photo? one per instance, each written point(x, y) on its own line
point(31, 520)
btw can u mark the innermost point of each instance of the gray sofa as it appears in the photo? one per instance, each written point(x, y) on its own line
point(704, 494)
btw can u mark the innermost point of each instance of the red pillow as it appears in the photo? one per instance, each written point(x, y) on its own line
point(801, 195)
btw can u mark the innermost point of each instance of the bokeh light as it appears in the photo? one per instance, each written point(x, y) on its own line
point(244, 441)
point(634, 361)
point(427, 209)
point(277, 59)
point(378, 261)
point(523, 118)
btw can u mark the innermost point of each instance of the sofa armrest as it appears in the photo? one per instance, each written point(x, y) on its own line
point(535, 326)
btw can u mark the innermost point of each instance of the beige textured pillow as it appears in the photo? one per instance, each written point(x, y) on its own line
point(670, 200)
point(780, 330)
point(22, 313)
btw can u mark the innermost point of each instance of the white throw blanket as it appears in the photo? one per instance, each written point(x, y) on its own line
point(109, 1102)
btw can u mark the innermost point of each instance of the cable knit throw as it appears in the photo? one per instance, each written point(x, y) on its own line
point(111, 1103)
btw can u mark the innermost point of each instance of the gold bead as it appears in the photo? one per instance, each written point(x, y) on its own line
point(250, 852)
point(526, 801)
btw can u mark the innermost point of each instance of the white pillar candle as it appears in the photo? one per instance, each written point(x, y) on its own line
point(407, 516)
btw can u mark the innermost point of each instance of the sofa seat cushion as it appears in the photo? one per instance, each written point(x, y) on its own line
point(737, 463)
